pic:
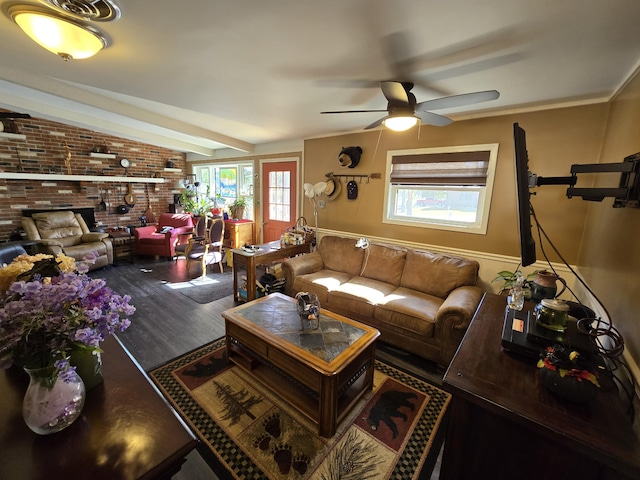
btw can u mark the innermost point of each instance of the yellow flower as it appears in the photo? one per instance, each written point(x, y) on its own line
point(24, 263)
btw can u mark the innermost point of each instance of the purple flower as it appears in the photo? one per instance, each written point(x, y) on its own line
point(42, 321)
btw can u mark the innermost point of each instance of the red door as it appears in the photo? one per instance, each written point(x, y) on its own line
point(279, 195)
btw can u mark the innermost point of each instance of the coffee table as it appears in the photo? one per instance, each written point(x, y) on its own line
point(322, 373)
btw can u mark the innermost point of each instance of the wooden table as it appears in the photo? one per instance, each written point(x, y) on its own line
point(505, 424)
point(267, 253)
point(320, 374)
point(127, 430)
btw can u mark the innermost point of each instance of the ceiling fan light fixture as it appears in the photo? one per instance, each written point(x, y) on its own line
point(400, 123)
point(66, 37)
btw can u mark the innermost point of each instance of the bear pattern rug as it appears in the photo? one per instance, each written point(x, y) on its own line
point(249, 432)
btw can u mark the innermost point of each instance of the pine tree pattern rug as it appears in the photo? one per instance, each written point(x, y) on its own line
point(248, 432)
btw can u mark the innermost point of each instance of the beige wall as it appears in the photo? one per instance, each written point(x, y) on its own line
point(555, 138)
point(610, 255)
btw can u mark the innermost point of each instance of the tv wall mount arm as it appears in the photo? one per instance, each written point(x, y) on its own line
point(627, 194)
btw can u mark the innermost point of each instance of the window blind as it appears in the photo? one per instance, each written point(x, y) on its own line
point(456, 168)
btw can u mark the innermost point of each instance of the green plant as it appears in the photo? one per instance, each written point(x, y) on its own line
point(238, 203)
point(195, 204)
point(509, 279)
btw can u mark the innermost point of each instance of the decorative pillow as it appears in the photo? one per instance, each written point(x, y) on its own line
point(384, 263)
point(166, 229)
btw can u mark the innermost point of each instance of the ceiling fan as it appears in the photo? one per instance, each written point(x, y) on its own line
point(403, 112)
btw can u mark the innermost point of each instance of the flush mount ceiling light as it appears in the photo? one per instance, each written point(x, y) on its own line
point(64, 36)
point(400, 123)
point(94, 10)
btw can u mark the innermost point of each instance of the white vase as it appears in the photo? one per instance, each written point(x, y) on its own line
point(51, 402)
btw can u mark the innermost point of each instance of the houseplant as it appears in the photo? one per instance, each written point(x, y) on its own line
point(509, 279)
point(237, 208)
point(195, 204)
point(49, 309)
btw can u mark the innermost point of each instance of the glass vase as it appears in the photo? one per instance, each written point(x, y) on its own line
point(88, 365)
point(52, 402)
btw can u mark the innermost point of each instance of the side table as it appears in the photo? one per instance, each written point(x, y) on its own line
point(266, 254)
point(123, 246)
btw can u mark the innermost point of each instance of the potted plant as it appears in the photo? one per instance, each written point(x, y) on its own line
point(237, 208)
point(196, 205)
point(218, 205)
point(509, 279)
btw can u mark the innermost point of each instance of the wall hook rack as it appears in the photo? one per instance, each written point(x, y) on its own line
point(354, 176)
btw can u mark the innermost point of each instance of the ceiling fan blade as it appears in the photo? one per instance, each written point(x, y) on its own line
point(458, 100)
point(434, 119)
point(355, 111)
point(377, 123)
point(10, 115)
point(395, 92)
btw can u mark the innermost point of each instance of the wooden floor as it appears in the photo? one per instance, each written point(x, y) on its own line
point(167, 324)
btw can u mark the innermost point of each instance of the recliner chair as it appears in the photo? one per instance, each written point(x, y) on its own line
point(65, 232)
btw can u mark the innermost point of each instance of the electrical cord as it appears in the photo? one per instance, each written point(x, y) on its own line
point(602, 328)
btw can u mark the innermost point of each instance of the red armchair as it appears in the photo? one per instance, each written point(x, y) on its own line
point(161, 239)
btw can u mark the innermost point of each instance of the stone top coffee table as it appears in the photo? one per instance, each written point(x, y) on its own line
point(322, 373)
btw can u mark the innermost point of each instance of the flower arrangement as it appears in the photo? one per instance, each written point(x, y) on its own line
point(49, 307)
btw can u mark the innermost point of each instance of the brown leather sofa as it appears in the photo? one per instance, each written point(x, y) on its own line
point(420, 301)
point(66, 232)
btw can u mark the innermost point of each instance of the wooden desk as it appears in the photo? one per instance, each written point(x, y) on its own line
point(505, 424)
point(127, 430)
point(268, 253)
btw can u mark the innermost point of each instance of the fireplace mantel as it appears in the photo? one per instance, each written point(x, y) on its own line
point(78, 178)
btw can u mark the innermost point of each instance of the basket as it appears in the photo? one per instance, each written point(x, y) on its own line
point(301, 228)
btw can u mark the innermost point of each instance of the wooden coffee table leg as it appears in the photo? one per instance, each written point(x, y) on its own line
point(328, 407)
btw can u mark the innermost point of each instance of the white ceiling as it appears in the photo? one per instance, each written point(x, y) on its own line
point(201, 75)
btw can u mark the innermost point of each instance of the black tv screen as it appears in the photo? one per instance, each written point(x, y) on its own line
point(527, 243)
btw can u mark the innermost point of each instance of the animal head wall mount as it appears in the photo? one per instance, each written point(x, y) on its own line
point(350, 156)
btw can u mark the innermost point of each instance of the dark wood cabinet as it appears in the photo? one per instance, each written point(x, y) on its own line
point(505, 424)
point(127, 430)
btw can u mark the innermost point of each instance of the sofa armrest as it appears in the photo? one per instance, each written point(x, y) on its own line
point(300, 265)
point(454, 317)
point(147, 231)
point(93, 237)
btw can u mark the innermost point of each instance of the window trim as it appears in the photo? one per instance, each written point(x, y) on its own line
point(484, 202)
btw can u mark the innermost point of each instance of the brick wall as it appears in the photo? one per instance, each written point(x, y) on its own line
point(44, 152)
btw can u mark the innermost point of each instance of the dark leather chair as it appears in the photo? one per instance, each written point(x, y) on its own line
point(9, 251)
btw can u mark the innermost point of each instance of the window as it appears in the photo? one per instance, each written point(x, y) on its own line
point(230, 181)
point(445, 188)
point(279, 195)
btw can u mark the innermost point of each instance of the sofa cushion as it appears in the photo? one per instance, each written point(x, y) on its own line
point(320, 283)
point(341, 254)
point(384, 263)
point(409, 311)
point(359, 295)
point(437, 274)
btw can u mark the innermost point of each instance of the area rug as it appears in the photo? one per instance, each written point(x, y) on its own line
point(248, 432)
point(213, 286)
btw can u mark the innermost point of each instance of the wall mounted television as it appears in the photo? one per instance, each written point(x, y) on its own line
point(527, 243)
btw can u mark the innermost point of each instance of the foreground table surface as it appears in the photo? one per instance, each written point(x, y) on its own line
point(506, 424)
point(126, 430)
point(322, 372)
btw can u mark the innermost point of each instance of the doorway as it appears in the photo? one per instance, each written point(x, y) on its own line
point(279, 197)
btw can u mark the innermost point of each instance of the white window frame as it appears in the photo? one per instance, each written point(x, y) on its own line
point(243, 190)
point(484, 200)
